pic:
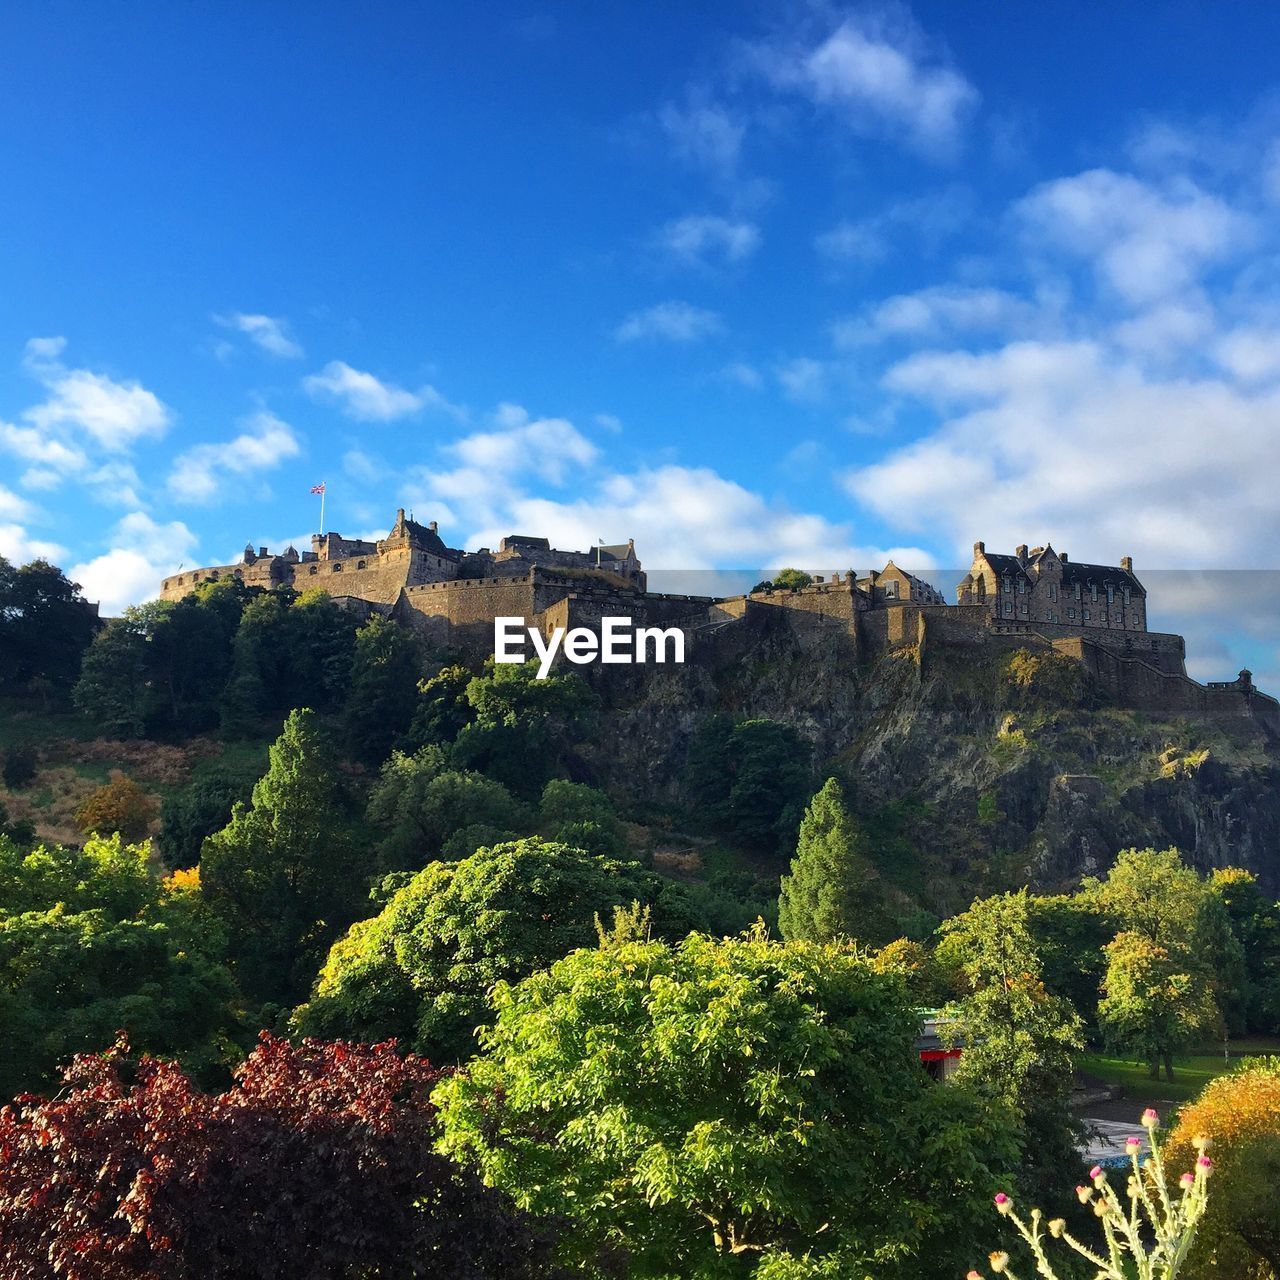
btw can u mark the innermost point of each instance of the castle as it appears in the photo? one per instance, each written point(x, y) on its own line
point(1038, 599)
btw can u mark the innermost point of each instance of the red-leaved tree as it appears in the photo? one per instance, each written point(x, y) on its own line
point(316, 1165)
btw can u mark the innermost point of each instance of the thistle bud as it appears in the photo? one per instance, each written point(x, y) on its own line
point(973, 1275)
point(1200, 1142)
point(1132, 1145)
point(1205, 1163)
point(1097, 1174)
point(1056, 1227)
point(999, 1262)
point(1187, 1181)
point(1150, 1118)
point(1003, 1203)
point(1084, 1194)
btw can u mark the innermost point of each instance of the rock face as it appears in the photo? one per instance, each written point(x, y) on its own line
point(974, 770)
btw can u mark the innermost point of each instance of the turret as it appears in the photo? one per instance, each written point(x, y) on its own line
point(1126, 563)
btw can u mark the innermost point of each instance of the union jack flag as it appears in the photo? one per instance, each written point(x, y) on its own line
point(317, 488)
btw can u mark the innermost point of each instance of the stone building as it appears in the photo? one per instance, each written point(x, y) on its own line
point(1045, 586)
point(891, 585)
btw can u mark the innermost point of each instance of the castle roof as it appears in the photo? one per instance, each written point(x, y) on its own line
point(1072, 572)
point(526, 540)
point(618, 552)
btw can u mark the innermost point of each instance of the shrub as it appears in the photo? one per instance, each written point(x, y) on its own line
point(119, 805)
point(19, 767)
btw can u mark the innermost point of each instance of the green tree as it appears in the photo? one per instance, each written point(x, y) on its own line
point(92, 942)
point(1255, 921)
point(383, 688)
point(1156, 1000)
point(259, 686)
point(45, 625)
point(832, 891)
point(1018, 1040)
point(443, 710)
point(791, 579)
point(732, 1108)
point(120, 804)
point(582, 816)
point(524, 728)
point(749, 781)
point(113, 689)
point(322, 641)
point(419, 804)
point(283, 874)
point(423, 968)
point(188, 816)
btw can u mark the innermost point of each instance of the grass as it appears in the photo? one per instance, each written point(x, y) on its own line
point(1191, 1071)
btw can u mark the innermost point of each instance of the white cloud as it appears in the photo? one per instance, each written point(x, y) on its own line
point(38, 445)
point(114, 414)
point(932, 312)
point(546, 447)
point(701, 239)
point(743, 374)
point(1251, 354)
point(705, 135)
point(362, 467)
point(878, 84)
point(142, 552)
point(669, 321)
point(609, 422)
point(199, 473)
point(14, 507)
point(365, 397)
point(268, 333)
point(803, 379)
point(1144, 241)
point(18, 547)
point(907, 226)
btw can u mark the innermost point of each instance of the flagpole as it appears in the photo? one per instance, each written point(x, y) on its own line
point(324, 488)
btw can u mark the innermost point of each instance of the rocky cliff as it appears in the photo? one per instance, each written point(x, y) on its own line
point(974, 767)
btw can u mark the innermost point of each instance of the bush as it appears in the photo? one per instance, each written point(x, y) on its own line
point(120, 805)
point(19, 767)
point(316, 1165)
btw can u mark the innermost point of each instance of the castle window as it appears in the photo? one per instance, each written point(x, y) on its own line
point(1024, 610)
point(1022, 586)
point(315, 568)
point(1071, 613)
point(1111, 593)
point(1053, 591)
point(1086, 615)
point(1126, 595)
point(1008, 608)
point(1008, 586)
point(359, 564)
point(1093, 588)
point(337, 568)
point(1104, 615)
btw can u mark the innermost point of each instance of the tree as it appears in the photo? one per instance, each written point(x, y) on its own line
point(283, 874)
point(120, 804)
point(1017, 1040)
point(832, 891)
point(19, 767)
point(791, 579)
point(1255, 921)
point(383, 687)
point(581, 816)
point(749, 780)
point(315, 1165)
point(927, 983)
point(443, 710)
point(422, 970)
point(113, 690)
point(524, 728)
point(1240, 1112)
point(45, 625)
point(92, 942)
point(1152, 893)
point(727, 1108)
point(188, 816)
point(1156, 1000)
point(419, 804)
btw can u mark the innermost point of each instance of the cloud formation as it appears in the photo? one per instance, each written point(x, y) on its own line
point(198, 475)
point(670, 322)
point(267, 333)
point(363, 396)
point(141, 553)
point(706, 240)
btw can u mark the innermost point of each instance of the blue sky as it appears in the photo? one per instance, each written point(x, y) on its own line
point(753, 284)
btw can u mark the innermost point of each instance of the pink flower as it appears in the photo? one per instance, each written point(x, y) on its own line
point(1096, 1173)
point(1187, 1179)
point(1150, 1118)
point(1003, 1203)
point(1205, 1163)
point(974, 1275)
point(1132, 1144)
point(1084, 1194)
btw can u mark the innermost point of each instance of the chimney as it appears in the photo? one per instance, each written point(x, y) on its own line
point(433, 526)
point(1062, 555)
point(874, 576)
point(978, 549)
point(399, 515)
point(1126, 562)
point(1021, 553)
point(262, 553)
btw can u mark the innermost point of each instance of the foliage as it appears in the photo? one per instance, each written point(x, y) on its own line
point(524, 728)
point(442, 708)
point(419, 804)
point(749, 780)
point(91, 942)
point(188, 816)
point(1240, 1237)
point(383, 687)
point(725, 1108)
point(112, 690)
point(926, 982)
point(1046, 676)
point(118, 805)
point(423, 968)
point(832, 891)
point(19, 767)
point(45, 626)
point(574, 814)
point(1018, 1040)
point(791, 579)
point(316, 1165)
point(1069, 933)
point(283, 874)
point(1255, 921)
point(1147, 1236)
point(1155, 1000)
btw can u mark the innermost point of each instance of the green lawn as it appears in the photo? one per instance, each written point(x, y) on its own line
point(1191, 1071)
